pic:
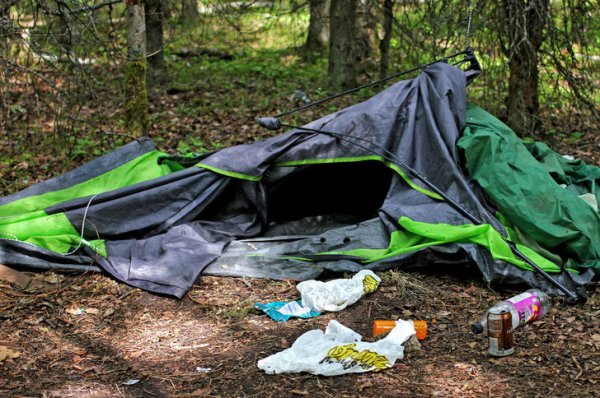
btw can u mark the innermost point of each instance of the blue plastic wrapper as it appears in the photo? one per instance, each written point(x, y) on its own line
point(282, 311)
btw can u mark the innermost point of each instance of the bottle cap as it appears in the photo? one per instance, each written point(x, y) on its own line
point(477, 328)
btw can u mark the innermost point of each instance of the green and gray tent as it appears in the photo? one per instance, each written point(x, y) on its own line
point(292, 206)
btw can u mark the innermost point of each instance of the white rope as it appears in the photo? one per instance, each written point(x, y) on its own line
point(81, 240)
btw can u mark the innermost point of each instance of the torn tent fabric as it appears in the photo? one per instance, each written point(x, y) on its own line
point(288, 207)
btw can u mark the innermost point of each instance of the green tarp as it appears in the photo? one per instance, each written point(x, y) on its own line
point(524, 182)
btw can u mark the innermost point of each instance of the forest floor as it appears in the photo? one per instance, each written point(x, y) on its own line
point(86, 335)
point(89, 336)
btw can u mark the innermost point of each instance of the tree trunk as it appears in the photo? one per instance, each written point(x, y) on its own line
point(189, 12)
point(342, 59)
point(157, 70)
point(365, 30)
point(524, 22)
point(384, 44)
point(317, 38)
point(5, 27)
point(136, 106)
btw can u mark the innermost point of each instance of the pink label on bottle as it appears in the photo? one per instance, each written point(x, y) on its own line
point(527, 306)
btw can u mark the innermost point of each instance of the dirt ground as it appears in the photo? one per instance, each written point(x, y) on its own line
point(90, 336)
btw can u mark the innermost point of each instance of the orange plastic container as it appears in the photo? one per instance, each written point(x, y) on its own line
point(385, 325)
point(421, 329)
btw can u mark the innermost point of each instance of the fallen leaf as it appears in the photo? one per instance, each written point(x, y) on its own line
point(79, 351)
point(92, 311)
point(299, 392)
point(201, 392)
point(136, 354)
point(471, 289)
point(52, 278)
point(7, 353)
point(283, 343)
point(108, 312)
point(14, 276)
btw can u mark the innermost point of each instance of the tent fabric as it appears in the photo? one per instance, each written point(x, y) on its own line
point(288, 207)
point(527, 191)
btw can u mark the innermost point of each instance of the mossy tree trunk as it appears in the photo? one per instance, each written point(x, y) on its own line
point(157, 70)
point(522, 34)
point(136, 106)
point(341, 67)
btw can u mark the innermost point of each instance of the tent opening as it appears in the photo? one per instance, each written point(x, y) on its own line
point(351, 191)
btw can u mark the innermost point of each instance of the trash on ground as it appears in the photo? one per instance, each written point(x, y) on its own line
point(381, 326)
point(337, 294)
point(201, 369)
point(282, 311)
point(524, 308)
point(500, 332)
point(130, 382)
point(82, 310)
point(339, 351)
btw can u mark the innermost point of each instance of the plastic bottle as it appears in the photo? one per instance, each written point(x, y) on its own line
point(524, 308)
point(385, 325)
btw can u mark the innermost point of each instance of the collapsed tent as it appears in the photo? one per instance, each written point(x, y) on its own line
point(292, 206)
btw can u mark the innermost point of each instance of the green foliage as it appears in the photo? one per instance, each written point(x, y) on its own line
point(239, 311)
point(575, 136)
point(16, 108)
point(192, 146)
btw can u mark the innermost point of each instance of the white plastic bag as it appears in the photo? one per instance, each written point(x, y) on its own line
point(337, 294)
point(339, 351)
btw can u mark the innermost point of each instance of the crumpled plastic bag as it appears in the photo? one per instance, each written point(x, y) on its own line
point(282, 311)
point(337, 294)
point(339, 351)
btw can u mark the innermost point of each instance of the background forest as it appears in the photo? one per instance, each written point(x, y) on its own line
point(79, 77)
